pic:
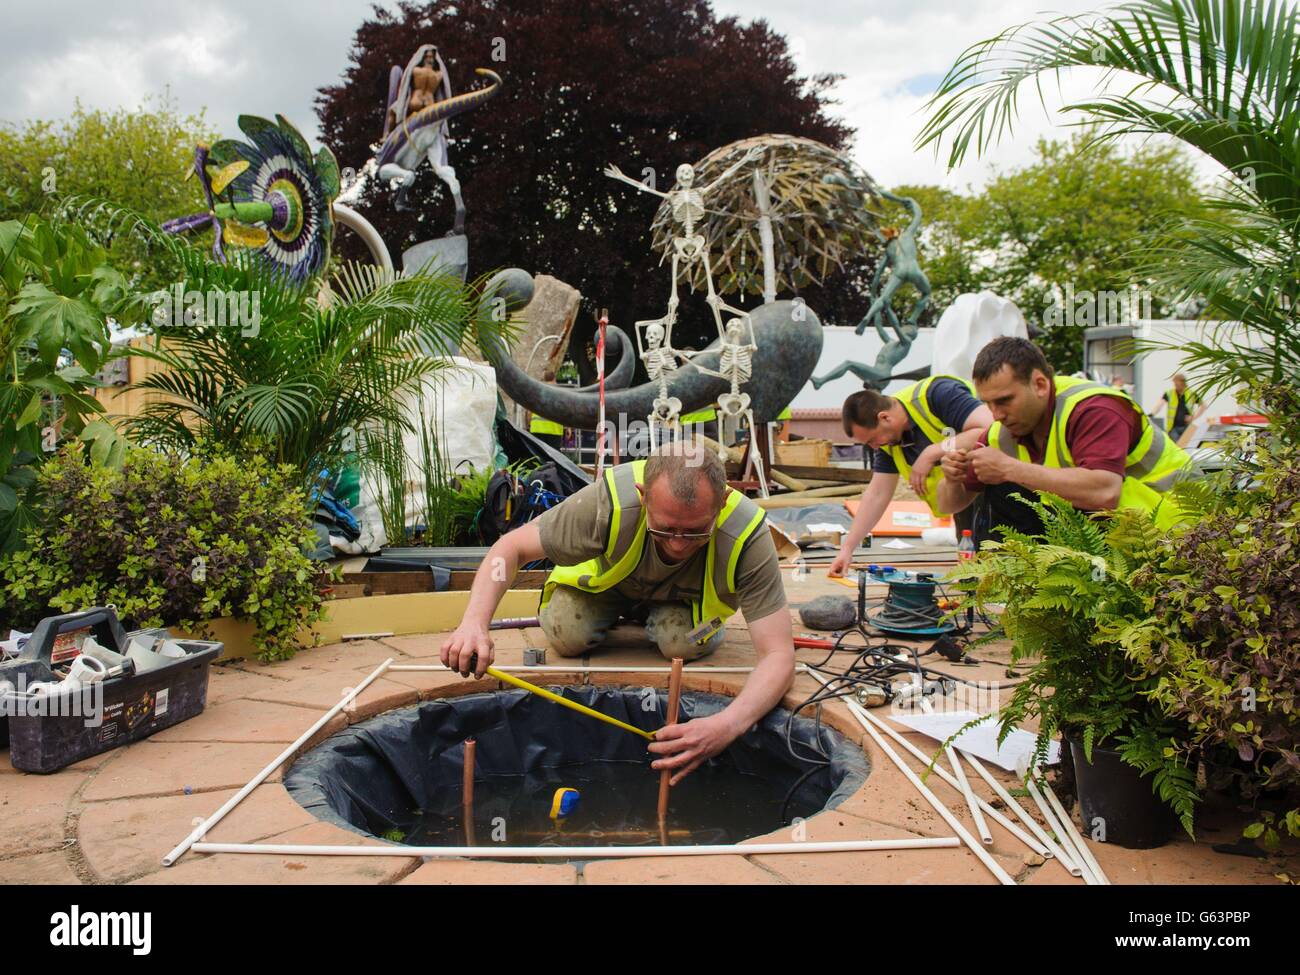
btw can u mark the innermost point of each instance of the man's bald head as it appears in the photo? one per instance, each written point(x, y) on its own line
point(688, 466)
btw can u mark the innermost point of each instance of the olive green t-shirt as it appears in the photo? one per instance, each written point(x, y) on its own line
point(578, 529)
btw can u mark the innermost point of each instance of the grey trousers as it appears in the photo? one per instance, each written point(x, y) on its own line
point(577, 622)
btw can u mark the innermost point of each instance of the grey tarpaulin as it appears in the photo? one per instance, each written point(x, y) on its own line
point(367, 778)
point(795, 521)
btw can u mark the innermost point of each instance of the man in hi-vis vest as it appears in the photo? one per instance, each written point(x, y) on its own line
point(907, 433)
point(665, 541)
point(1086, 442)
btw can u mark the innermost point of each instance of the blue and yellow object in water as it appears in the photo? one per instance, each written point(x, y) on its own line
point(563, 802)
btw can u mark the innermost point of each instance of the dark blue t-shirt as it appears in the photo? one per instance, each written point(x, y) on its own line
point(951, 402)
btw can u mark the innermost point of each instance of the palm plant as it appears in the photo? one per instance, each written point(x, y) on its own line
point(1221, 76)
point(312, 376)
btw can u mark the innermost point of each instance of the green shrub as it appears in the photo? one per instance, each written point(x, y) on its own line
point(1066, 594)
point(169, 542)
point(1225, 634)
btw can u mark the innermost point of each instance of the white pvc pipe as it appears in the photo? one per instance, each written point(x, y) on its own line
point(869, 723)
point(964, 785)
point(260, 777)
point(582, 852)
point(1079, 842)
point(1009, 800)
point(988, 810)
point(1080, 864)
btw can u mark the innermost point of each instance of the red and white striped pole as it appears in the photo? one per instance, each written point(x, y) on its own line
point(600, 378)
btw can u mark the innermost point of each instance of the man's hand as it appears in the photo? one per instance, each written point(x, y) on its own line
point(930, 456)
point(956, 465)
point(839, 566)
point(685, 746)
point(468, 639)
point(992, 466)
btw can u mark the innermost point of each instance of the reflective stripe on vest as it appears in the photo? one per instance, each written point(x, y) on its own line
point(738, 520)
point(915, 401)
point(1150, 469)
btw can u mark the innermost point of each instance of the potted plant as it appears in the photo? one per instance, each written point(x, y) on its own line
point(1065, 594)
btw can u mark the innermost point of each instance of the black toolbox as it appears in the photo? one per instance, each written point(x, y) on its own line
point(48, 731)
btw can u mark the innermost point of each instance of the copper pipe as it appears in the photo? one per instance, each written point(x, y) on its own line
point(674, 700)
point(467, 792)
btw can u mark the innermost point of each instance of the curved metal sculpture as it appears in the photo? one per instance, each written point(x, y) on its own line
point(789, 339)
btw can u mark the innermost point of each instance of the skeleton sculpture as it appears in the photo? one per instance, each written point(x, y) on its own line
point(660, 364)
point(688, 246)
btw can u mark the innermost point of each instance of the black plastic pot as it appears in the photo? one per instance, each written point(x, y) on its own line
point(1116, 797)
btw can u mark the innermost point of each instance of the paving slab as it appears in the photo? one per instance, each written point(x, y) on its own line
point(127, 838)
point(692, 870)
point(468, 873)
point(262, 869)
point(34, 808)
point(150, 768)
point(243, 720)
point(40, 868)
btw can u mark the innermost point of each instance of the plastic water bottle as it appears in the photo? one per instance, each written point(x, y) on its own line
point(966, 547)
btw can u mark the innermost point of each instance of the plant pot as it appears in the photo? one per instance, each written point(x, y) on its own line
point(1121, 798)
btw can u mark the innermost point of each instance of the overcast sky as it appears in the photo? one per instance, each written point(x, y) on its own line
point(262, 57)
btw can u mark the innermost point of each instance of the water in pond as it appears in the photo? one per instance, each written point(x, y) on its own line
point(716, 803)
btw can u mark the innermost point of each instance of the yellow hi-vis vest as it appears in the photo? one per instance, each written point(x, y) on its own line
point(539, 424)
point(928, 426)
point(1150, 469)
point(738, 520)
point(1173, 398)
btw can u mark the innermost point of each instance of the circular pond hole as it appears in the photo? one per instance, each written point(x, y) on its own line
point(399, 775)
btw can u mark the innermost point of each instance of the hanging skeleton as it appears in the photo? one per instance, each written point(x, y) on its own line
point(687, 205)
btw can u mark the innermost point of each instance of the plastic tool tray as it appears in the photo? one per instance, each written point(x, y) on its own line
point(48, 731)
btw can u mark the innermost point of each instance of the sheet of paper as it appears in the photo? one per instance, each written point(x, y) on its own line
point(911, 519)
point(981, 741)
point(824, 526)
point(897, 543)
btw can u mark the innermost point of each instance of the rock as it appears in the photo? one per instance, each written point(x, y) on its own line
point(828, 613)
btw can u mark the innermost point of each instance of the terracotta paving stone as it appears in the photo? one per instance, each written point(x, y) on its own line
point(243, 721)
point(42, 868)
point(151, 768)
point(942, 866)
point(258, 868)
point(457, 873)
point(323, 690)
point(677, 870)
point(127, 838)
point(228, 683)
point(420, 645)
point(33, 809)
point(347, 655)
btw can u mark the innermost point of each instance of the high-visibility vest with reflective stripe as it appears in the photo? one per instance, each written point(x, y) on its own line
point(1173, 397)
point(539, 424)
point(1150, 469)
point(928, 426)
point(783, 415)
point(738, 520)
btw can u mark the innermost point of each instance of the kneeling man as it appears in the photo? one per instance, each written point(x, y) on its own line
point(663, 540)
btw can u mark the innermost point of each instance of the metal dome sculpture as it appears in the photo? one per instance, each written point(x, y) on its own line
point(776, 203)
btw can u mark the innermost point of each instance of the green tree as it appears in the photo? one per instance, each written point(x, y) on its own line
point(136, 158)
point(1220, 76)
point(1068, 219)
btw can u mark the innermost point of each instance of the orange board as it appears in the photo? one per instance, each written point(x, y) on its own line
point(903, 518)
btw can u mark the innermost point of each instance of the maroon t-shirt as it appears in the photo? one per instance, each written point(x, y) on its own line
point(1101, 433)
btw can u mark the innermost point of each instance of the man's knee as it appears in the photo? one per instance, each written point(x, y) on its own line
point(574, 622)
point(669, 627)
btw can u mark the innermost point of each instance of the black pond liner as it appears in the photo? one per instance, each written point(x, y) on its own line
point(402, 771)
